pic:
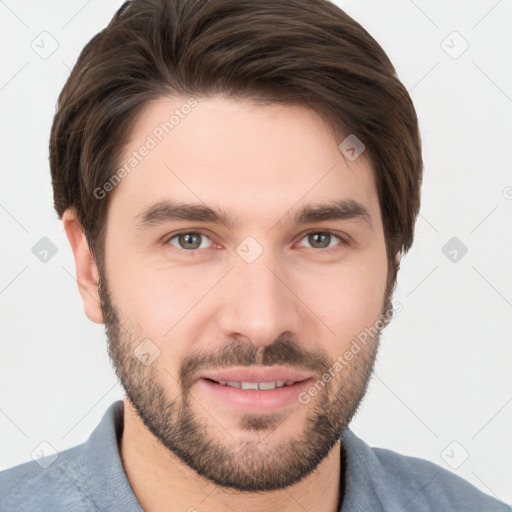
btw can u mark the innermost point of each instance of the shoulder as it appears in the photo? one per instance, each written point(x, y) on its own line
point(87, 477)
point(434, 483)
point(46, 484)
point(414, 484)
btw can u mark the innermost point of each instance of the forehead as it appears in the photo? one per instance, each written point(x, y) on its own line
point(255, 162)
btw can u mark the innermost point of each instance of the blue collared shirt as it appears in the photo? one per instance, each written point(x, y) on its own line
point(91, 477)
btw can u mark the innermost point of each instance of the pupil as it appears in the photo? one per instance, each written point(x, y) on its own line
point(189, 240)
point(317, 235)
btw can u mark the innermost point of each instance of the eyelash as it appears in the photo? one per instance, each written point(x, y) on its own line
point(343, 240)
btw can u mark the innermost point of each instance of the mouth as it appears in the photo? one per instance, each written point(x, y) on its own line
point(254, 389)
point(256, 377)
point(261, 386)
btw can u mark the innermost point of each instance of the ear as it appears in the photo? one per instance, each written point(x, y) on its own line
point(87, 274)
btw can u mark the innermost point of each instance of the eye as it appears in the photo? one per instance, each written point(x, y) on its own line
point(193, 240)
point(322, 239)
point(189, 240)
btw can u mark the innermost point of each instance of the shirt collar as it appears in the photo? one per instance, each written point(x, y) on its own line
point(107, 481)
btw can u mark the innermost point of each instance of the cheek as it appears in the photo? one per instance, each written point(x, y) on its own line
point(159, 303)
point(151, 299)
point(348, 299)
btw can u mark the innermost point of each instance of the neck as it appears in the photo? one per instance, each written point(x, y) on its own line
point(159, 478)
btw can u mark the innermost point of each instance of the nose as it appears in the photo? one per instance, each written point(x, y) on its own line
point(259, 302)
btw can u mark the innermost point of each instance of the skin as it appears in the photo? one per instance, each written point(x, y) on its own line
point(259, 164)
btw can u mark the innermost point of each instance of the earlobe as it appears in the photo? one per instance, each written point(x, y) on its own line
point(87, 274)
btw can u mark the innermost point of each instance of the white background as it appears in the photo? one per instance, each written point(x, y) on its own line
point(443, 374)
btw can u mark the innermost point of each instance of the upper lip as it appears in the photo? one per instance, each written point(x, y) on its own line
point(254, 374)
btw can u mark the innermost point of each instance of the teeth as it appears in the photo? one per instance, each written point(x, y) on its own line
point(263, 386)
point(249, 385)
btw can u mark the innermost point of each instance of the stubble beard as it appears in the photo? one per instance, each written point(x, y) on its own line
point(259, 465)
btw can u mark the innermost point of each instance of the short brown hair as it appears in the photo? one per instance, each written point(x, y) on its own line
point(297, 52)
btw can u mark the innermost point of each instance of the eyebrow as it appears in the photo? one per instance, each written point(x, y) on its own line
point(168, 211)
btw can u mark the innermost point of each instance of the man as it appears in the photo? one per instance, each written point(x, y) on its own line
point(238, 181)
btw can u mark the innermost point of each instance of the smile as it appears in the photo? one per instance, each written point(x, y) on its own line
point(263, 386)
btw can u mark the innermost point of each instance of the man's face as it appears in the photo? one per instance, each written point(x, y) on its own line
point(189, 304)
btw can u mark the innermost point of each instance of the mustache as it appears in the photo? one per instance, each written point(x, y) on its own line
point(284, 351)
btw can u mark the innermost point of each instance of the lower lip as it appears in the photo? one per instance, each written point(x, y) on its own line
point(256, 401)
